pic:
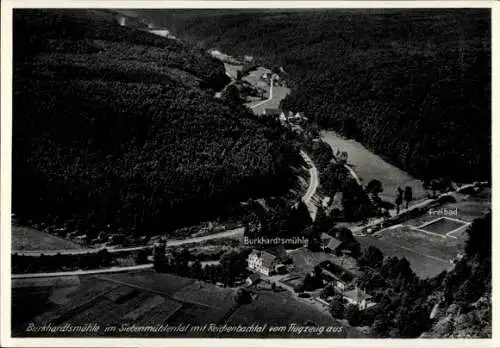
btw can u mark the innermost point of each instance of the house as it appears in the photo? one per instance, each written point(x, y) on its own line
point(359, 298)
point(263, 262)
point(282, 117)
point(252, 279)
point(333, 246)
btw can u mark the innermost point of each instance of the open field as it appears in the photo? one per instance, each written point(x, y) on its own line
point(369, 166)
point(147, 298)
point(27, 238)
point(279, 93)
point(422, 262)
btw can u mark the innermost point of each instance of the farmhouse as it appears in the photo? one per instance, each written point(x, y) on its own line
point(263, 262)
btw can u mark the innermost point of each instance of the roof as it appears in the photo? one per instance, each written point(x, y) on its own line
point(357, 294)
point(267, 259)
point(325, 236)
point(334, 243)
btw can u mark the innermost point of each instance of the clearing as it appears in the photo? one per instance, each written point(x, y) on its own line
point(27, 238)
point(148, 298)
point(369, 166)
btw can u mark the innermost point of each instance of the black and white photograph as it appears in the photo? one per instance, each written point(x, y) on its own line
point(249, 173)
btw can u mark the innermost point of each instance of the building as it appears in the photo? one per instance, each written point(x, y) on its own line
point(263, 262)
point(333, 246)
point(359, 297)
point(274, 112)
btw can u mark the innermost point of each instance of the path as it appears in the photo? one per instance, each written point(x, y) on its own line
point(82, 272)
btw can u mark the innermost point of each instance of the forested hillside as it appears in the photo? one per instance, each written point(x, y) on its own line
point(112, 125)
point(411, 85)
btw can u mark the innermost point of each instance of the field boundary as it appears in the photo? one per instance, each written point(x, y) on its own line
point(450, 234)
point(428, 232)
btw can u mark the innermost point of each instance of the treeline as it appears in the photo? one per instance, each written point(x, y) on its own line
point(58, 263)
point(231, 268)
point(411, 85)
point(112, 126)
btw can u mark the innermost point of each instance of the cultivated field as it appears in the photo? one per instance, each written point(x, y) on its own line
point(369, 166)
point(148, 298)
point(27, 238)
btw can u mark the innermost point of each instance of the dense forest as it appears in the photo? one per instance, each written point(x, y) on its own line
point(117, 126)
point(411, 85)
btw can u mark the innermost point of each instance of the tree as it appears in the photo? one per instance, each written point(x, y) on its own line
point(243, 296)
point(344, 235)
point(399, 199)
point(233, 264)
point(298, 219)
point(371, 257)
point(381, 326)
point(337, 307)
point(374, 187)
point(142, 257)
point(408, 195)
point(197, 269)
point(353, 315)
point(231, 95)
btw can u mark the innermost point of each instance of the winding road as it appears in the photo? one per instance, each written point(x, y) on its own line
point(313, 185)
point(313, 171)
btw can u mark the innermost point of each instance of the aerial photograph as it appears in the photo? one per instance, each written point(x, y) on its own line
point(270, 173)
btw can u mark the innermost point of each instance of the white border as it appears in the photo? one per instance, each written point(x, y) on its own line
point(6, 124)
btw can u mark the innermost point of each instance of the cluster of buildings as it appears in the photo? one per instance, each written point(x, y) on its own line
point(294, 121)
point(264, 264)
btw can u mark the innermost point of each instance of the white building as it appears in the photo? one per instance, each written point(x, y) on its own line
point(263, 262)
